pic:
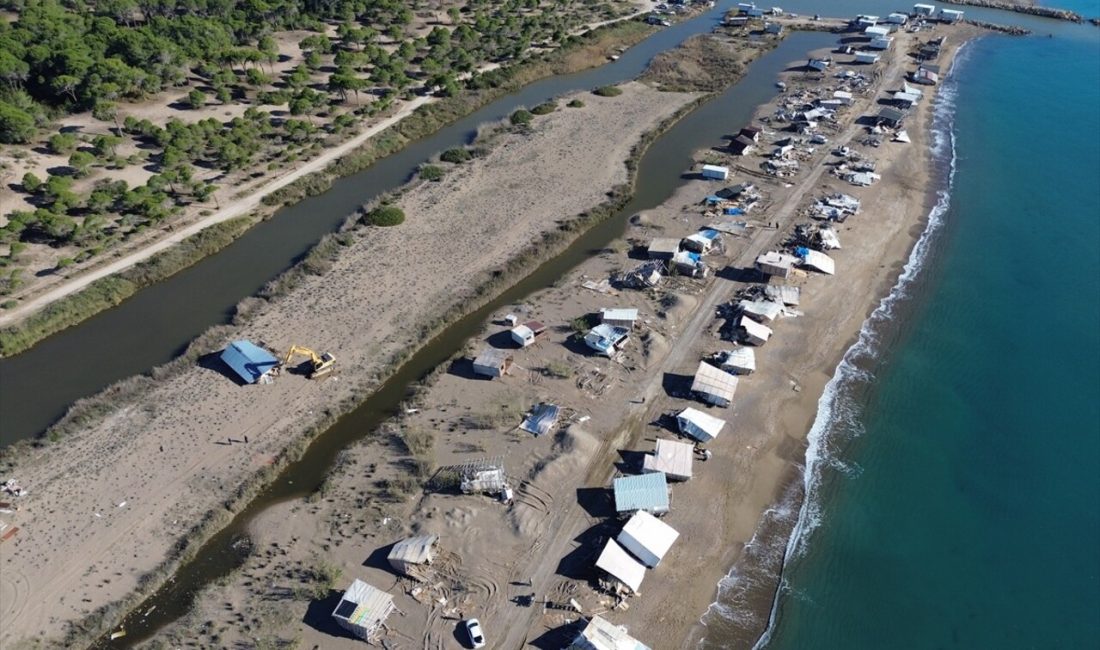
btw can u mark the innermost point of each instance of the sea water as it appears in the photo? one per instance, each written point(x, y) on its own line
point(954, 470)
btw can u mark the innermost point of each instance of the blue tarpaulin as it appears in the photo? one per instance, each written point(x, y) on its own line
point(733, 211)
point(712, 200)
point(248, 360)
point(802, 252)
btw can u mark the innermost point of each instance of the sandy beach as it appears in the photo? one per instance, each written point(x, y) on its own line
point(518, 567)
point(106, 506)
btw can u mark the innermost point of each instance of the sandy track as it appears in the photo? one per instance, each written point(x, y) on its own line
point(170, 459)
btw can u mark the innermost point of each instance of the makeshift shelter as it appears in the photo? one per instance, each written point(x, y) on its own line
point(363, 609)
point(492, 362)
point(891, 117)
point(739, 361)
point(647, 492)
point(715, 172)
point(690, 264)
point(714, 386)
point(784, 293)
point(843, 96)
point(761, 310)
point(775, 263)
point(950, 15)
point(897, 19)
point(624, 318)
point(742, 146)
point(607, 340)
point(663, 248)
point(619, 565)
point(410, 556)
point(926, 77)
point(821, 65)
point(541, 419)
point(816, 260)
point(702, 241)
point(249, 361)
point(753, 332)
point(527, 333)
point(881, 43)
point(648, 274)
point(647, 537)
point(703, 427)
point(876, 31)
point(773, 28)
point(924, 10)
point(672, 458)
point(750, 132)
point(599, 634)
point(867, 57)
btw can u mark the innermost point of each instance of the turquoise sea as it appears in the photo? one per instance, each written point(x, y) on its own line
point(954, 470)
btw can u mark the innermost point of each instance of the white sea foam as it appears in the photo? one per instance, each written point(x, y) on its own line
point(838, 411)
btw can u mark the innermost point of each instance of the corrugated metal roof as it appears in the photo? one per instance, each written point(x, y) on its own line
point(713, 381)
point(707, 424)
point(248, 360)
point(414, 550)
point(541, 420)
point(619, 314)
point(643, 492)
point(621, 565)
point(601, 634)
point(672, 458)
point(371, 606)
point(648, 535)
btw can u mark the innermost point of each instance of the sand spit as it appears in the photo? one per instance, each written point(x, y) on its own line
point(518, 567)
point(108, 504)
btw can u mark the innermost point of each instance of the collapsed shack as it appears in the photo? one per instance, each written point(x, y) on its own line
point(817, 237)
point(785, 293)
point(816, 260)
point(541, 419)
point(411, 557)
point(775, 263)
point(363, 610)
point(483, 476)
point(607, 340)
point(644, 276)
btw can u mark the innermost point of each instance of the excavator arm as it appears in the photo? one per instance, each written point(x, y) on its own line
point(321, 364)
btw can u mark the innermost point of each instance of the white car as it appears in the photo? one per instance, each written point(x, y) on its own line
point(477, 637)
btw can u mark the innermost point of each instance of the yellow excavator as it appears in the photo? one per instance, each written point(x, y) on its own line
point(321, 364)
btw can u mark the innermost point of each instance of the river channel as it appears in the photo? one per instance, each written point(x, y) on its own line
point(659, 174)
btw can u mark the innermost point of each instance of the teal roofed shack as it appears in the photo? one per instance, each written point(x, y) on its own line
point(248, 360)
point(647, 492)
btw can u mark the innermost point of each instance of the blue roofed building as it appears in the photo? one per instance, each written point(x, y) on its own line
point(648, 492)
point(249, 361)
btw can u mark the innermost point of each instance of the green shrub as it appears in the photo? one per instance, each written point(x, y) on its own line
point(457, 156)
point(386, 215)
point(576, 103)
point(431, 172)
point(9, 304)
point(545, 108)
point(608, 91)
point(521, 117)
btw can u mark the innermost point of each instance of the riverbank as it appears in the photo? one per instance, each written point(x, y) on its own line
point(100, 287)
point(179, 451)
point(492, 557)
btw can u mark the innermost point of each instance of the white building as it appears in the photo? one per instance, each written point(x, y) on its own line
point(621, 566)
point(648, 538)
point(950, 15)
point(867, 57)
point(715, 172)
point(492, 362)
point(924, 10)
point(410, 556)
point(881, 43)
point(703, 427)
point(674, 459)
point(363, 609)
point(754, 332)
point(600, 634)
point(624, 318)
point(739, 361)
point(714, 386)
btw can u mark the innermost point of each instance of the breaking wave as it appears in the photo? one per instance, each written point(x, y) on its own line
point(838, 412)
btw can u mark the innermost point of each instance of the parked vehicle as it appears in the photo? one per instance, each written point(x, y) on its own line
point(477, 637)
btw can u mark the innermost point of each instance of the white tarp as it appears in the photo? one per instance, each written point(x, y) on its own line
point(618, 563)
point(701, 426)
point(648, 538)
point(756, 333)
point(829, 240)
point(784, 293)
point(739, 361)
point(819, 262)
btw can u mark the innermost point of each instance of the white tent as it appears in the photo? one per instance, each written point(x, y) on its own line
point(714, 386)
point(739, 361)
point(619, 565)
point(648, 538)
point(819, 261)
point(701, 426)
point(672, 458)
point(755, 333)
point(363, 609)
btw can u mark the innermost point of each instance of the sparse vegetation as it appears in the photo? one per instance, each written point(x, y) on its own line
point(385, 216)
point(431, 172)
point(576, 103)
point(608, 91)
point(521, 117)
point(456, 156)
point(557, 369)
point(545, 108)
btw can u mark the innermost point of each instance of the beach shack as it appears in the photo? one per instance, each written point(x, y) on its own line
point(843, 96)
point(897, 19)
point(950, 15)
point(905, 100)
point(527, 333)
point(622, 317)
point(700, 426)
point(249, 361)
point(647, 538)
point(739, 361)
point(742, 146)
point(750, 132)
point(689, 264)
point(600, 634)
point(753, 332)
point(624, 569)
point(926, 76)
point(607, 340)
point(715, 172)
point(816, 260)
point(702, 241)
point(881, 43)
point(663, 248)
point(784, 293)
point(773, 28)
point(410, 557)
point(866, 57)
point(876, 31)
point(648, 492)
point(491, 362)
point(713, 386)
point(775, 263)
point(923, 10)
point(760, 310)
point(541, 419)
point(890, 117)
point(363, 609)
point(672, 458)
point(821, 65)
point(863, 21)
